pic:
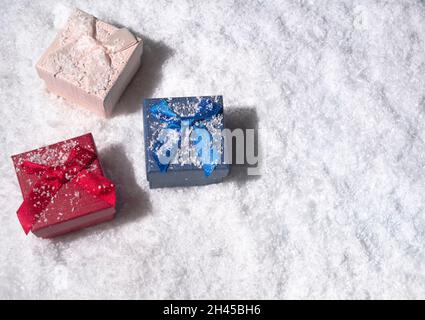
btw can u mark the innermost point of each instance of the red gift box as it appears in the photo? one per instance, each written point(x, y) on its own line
point(63, 187)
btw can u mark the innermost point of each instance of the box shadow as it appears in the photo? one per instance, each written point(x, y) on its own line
point(242, 118)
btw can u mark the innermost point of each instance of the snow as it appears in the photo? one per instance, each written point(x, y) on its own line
point(336, 90)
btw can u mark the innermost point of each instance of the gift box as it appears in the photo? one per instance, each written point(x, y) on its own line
point(63, 188)
point(183, 141)
point(90, 62)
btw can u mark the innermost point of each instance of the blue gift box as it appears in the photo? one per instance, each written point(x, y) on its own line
point(183, 141)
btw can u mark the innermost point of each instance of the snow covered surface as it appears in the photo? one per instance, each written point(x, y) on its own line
point(336, 89)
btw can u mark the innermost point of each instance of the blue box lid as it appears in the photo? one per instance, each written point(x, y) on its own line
point(168, 113)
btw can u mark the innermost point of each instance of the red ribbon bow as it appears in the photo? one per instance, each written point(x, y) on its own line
point(53, 178)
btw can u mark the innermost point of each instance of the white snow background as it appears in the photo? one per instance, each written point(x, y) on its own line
point(336, 89)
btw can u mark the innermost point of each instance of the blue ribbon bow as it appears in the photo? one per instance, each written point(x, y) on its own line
point(206, 110)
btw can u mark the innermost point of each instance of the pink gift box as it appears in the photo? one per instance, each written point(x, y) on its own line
point(90, 63)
